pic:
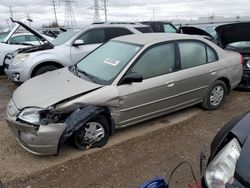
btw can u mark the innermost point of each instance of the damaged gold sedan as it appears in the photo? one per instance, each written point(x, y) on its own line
point(128, 80)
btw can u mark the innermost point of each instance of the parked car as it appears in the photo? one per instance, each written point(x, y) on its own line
point(12, 41)
point(67, 49)
point(191, 30)
point(127, 80)
point(228, 165)
point(235, 37)
point(161, 26)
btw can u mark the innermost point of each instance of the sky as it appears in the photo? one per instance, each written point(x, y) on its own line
point(41, 11)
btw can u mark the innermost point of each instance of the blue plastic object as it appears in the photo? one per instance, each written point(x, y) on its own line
point(157, 182)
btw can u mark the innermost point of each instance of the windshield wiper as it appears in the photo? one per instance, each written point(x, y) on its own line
point(78, 70)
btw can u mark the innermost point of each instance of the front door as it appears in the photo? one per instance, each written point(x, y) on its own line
point(156, 94)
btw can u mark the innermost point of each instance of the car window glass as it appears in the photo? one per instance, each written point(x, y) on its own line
point(192, 54)
point(169, 28)
point(32, 38)
point(116, 32)
point(144, 29)
point(18, 39)
point(156, 61)
point(211, 57)
point(94, 36)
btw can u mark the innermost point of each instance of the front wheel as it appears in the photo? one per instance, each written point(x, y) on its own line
point(94, 133)
point(215, 96)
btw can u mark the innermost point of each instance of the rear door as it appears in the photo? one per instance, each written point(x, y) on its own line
point(92, 39)
point(156, 94)
point(199, 66)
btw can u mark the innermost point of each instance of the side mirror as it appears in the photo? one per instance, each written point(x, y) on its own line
point(132, 77)
point(78, 42)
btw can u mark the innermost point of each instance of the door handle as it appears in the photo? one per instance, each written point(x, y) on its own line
point(213, 72)
point(170, 84)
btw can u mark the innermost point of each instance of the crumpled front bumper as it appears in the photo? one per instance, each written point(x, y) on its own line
point(40, 141)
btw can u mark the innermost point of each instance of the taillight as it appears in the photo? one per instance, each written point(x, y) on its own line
point(242, 60)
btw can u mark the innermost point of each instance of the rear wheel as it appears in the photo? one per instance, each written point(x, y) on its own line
point(215, 96)
point(94, 133)
point(45, 68)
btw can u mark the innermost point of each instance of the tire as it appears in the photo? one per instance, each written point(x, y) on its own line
point(81, 138)
point(218, 90)
point(44, 69)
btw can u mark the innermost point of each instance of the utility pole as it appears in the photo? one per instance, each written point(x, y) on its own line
point(11, 15)
point(54, 7)
point(29, 18)
point(105, 9)
point(69, 20)
point(153, 14)
point(97, 17)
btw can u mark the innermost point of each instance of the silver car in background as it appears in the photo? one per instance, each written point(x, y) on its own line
point(128, 80)
point(67, 49)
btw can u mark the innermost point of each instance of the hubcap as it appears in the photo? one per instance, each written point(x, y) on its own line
point(92, 132)
point(216, 95)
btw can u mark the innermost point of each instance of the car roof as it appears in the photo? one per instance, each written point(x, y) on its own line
point(117, 25)
point(151, 38)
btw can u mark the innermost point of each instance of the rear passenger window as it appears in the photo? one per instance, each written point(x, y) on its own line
point(192, 54)
point(211, 57)
point(156, 61)
point(144, 29)
point(93, 36)
point(116, 32)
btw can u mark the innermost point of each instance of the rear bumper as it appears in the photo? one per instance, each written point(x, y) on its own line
point(245, 81)
point(40, 141)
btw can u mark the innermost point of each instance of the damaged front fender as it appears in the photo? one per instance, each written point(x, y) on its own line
point(81, 116)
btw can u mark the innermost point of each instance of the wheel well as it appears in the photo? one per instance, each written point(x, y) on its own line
point(227, 82)
point(107, 115)
point(44, 64)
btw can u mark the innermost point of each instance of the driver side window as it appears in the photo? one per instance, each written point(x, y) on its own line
point(94, 36)
point(157, 61)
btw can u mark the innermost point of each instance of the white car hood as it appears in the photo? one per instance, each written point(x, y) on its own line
point(50, 88)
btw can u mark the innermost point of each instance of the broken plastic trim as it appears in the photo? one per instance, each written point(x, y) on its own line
point(81, 116)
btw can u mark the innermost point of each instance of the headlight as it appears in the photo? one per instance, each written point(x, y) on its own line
point(30, 115)
point(20, 58)
point(221, 170)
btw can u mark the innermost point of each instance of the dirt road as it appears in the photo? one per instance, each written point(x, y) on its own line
point(132, 155)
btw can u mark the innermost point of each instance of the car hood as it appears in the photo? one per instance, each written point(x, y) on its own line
point(50, 88)
point(34, 32)
point(191, 30)
point(235, 32)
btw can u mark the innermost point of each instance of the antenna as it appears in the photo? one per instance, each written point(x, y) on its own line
point(69, 17)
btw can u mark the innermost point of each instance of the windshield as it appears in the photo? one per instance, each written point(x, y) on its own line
point(2, 36)
point(169, 28)
point(105, 63)
point(64, 37)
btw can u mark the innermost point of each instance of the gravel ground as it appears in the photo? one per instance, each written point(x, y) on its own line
point(132, 156)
